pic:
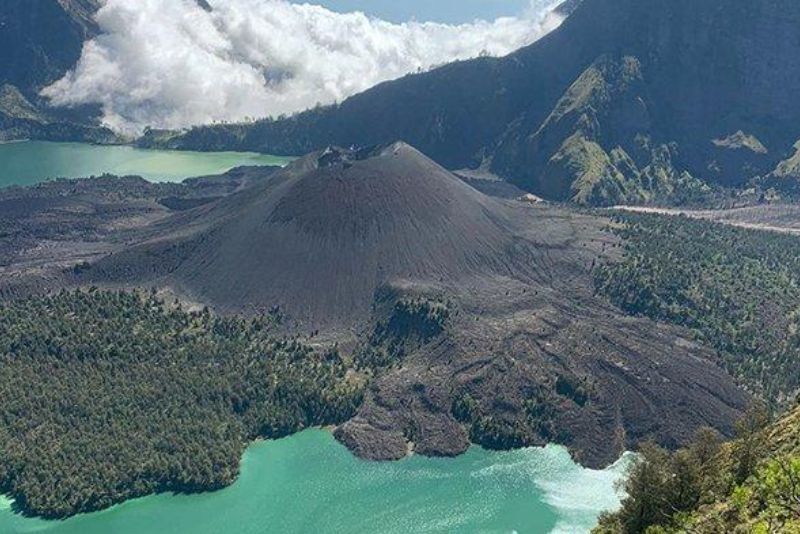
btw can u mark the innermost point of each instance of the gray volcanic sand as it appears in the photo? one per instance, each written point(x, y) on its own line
point(319, 238)
point(338, 236)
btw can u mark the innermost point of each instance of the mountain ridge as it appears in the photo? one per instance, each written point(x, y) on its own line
point(699, 79)
point(40, 40)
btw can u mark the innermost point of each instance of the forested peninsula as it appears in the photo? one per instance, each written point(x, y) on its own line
point(113, 395)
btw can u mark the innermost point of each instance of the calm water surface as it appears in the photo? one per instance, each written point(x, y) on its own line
point(310, 483)
point(30, 162)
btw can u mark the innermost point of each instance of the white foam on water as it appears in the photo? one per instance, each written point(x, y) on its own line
point(576, 494)
point(580, 495)
point(5, 502)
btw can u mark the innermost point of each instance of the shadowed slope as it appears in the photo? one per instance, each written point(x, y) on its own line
point(41, 39)
point(628, 100)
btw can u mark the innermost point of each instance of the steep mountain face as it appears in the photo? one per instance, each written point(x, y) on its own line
point(480, 314)
point(679, 93)
point(628, 100)
point(595, 147)
point(21, 119)
point(40, 40)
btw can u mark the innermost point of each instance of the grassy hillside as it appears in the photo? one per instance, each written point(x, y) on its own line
point(750, 485)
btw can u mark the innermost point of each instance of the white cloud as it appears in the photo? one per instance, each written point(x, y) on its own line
point(171, 64)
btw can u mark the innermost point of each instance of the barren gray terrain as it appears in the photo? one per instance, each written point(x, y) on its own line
point(484, 307)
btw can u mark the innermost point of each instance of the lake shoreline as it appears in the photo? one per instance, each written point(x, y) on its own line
point(32, 162)
point(232, 478)
point(322, 443)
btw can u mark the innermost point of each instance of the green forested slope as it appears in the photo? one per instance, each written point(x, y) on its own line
point(751, 485)
point(107, 396)
point(736, 288)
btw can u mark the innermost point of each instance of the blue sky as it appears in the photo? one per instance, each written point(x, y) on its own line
point(437, 10)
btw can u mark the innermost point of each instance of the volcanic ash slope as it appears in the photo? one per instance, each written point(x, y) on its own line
point(319, 238)
point(356, 243)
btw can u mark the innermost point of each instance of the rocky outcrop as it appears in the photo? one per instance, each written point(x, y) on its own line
point(530, 366)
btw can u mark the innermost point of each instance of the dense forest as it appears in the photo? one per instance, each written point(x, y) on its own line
point(111, 395)
point(750, 485)
point(738, 289)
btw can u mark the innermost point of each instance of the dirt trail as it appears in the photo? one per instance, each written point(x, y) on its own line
point(752, 218)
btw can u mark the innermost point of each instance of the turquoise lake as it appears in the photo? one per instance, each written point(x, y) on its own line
point(30, 162)
point(309, 483)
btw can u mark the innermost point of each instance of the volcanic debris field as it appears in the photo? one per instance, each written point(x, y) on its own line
point(459, 317)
